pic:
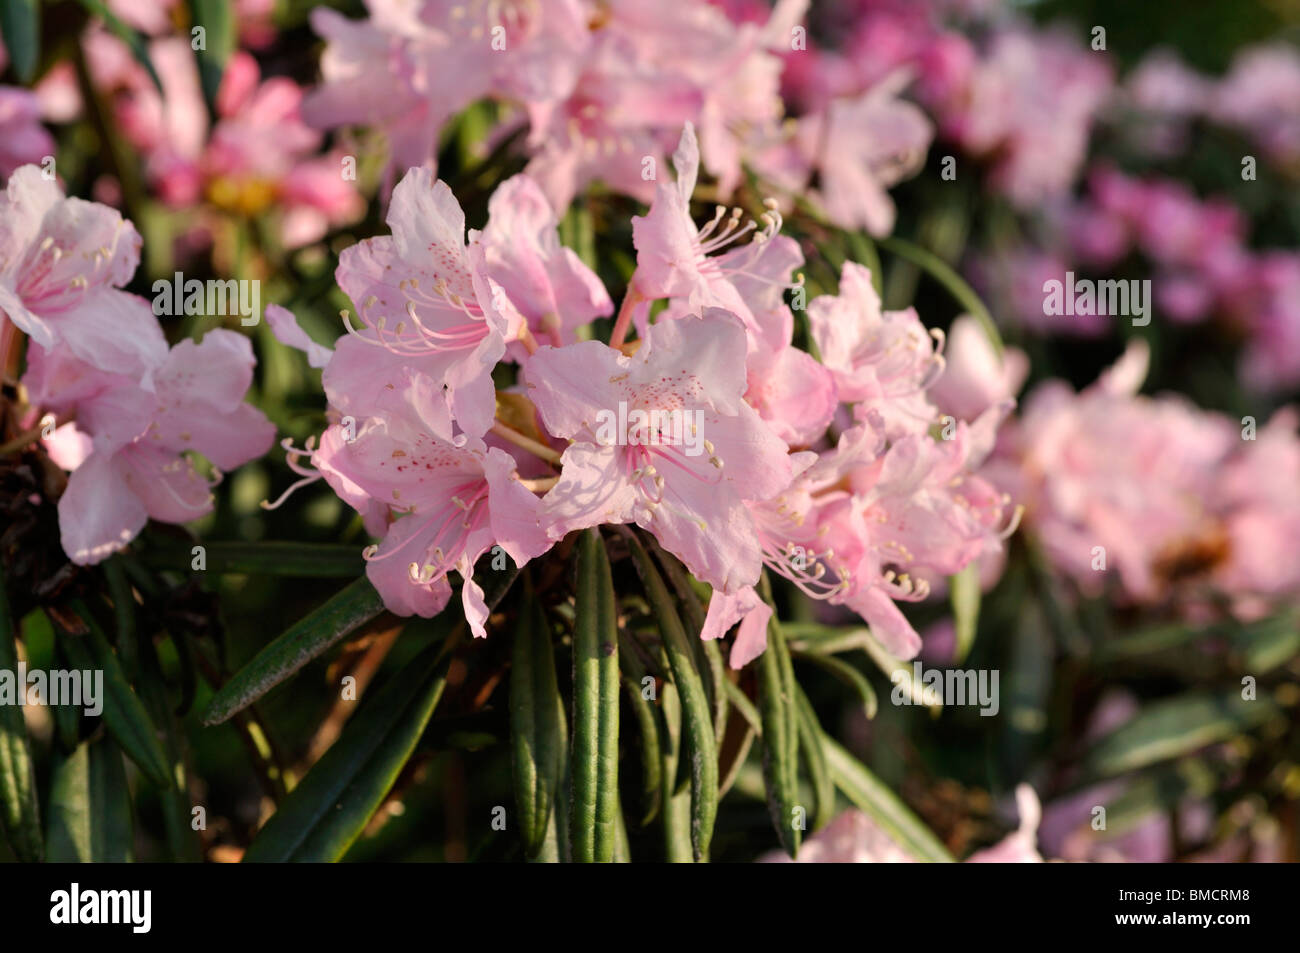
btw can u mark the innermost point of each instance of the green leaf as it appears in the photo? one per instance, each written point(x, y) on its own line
point(119, 589)
point(866, 792)
point(217, 19)
point(20, 817)
point(1176, 726)
point(278, 558)
point(537, 727)
point(182, 839)
point(848, 675)
point(648, 723)
point(702, 748)
point(20, 25)
point(676, 808)
point(942, 272)
point(90, 806)
point(777, 708)
point(330, 807)
point(708, 656)
point(124, 714)
point(594, 759)
point(814, 757)
point(310, 636)
point(964, 593)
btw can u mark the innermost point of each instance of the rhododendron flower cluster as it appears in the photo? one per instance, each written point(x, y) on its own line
point(130, 411)
point(1175, 505)
point(751, 481)
point(603, 90)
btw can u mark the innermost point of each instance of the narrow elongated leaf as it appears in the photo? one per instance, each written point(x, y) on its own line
point(277, 558)
point(849, 676)
point(676, 807)
point(594, 763)
point(1176, 726)
point(647, 720)
point(217, 18)
point(331, 805)
point(20, 817)
point(20, 25)
point(124, 714)
point(311, 635)
point(119, 588)
point(537, 727)
point(182, 839)
point(814, 757)
point(777, 708)
point(702, 746)
point(964, 593)
point(708, 655)
point(866, 791)
point(90, 806)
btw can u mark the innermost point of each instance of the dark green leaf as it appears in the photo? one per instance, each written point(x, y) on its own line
point(20, 24)
point(331, 805)
point(594, 760)
point(1176, 726)
point(90, 806)
point(321, 628)
point(124, 714)
point(299, 560)
point(537, 727)
point(20, 817)
point(702, 748)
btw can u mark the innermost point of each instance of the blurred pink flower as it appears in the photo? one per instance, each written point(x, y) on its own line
point(23, 139)
point(862, 146)
point(1118, 483)
point(1029, 106)
point(1261, 96)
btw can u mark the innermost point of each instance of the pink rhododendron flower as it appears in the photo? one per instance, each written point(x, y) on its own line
point(1212, 500)
point(675, 259)
point(449, 503)
point(128, 446)
point(546, 283)
point(688, 489)
point(975, 376)
point(864, 524)
point(22, 137)
point(1261, 96)
point(1030, 103)
point(409, 69)
point(425, 307)
point(883, 361)
point(63, 262)
point(862, 146)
